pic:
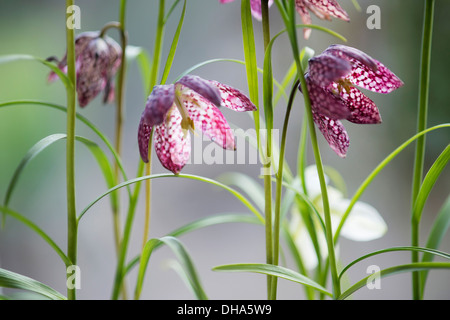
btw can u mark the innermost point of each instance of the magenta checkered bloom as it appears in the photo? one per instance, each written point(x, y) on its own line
point(323, 9)
point(97, 61)
point(255, 6)
point(174, 110)
point(331, 79)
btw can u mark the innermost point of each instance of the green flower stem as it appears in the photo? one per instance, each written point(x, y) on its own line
point(288, 15)
point(279, 184)
point(153, 80)
point(72, 223)
point(120, 269)
point(421, 125)
point(148, 188)
point(267, 164)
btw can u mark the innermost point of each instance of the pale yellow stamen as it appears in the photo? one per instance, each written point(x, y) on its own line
point(187, 124)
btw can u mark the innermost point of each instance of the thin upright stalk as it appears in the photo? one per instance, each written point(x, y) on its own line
point(288, 14)
point(72, 224)
point(157, 50)
point(279, 184)
point(148, 171)
point(424, 86)
point(120, 268)
point(268, 162)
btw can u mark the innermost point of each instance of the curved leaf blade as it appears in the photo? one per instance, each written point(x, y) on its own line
point(51, 66)
point(428, 183)
point(184, 259)
point(9, 279)
point(419, 266)
point(276, 271)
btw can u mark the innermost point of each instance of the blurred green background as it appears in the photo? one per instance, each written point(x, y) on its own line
point(210, 31)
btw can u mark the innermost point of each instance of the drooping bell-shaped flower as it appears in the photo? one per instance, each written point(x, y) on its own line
point(331, 79)
point(323, 9)
point(97, 59)
point(255, 6)
point(364, 223)
point(174, 110)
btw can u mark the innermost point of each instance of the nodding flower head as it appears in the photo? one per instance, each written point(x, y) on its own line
point(323, 9)
point(255, 5)
point(331, 79)
point(97, 59)
point(174, 110)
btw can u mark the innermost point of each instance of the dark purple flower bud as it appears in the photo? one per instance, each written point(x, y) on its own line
point(325, 69)
point(331, 78)
point(158, 103)
point(97, 60)
point(202, 87)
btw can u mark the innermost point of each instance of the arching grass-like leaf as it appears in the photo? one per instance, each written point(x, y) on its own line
point(31, 154)
point(51, 66)
point(83, 119)
point(396, 249)
point(173, 47)
point(203, 223)
point(44, 143)
point(252, 188)
point(428, 183)
point(273, 270)
point(238, 195)
point(39, 231)
point(143, 60)
point(9, 279)
point(190, 274)
point(438, 230)
point(377, 170)
point(394, 270)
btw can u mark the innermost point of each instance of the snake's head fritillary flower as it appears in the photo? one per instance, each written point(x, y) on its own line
point(255, 6)
point(97, 59)
point(364, 222)
point(331, 79)
point(191, 103)
point(323, 9)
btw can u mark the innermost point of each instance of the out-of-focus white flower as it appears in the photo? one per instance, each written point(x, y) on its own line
point(364, 223)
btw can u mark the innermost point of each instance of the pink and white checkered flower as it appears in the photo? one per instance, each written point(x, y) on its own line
point(323, 9)
point(174, 110)
point(255, 5)
point(97, 61)
point(331, 79)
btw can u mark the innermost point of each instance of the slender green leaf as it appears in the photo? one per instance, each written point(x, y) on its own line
point(169, 12)
point(173, 47)
point(251, 187)
point(306, 54)
point(204, 63)
point(143, 59)
point(31, 154)
point(273, 270)
point(44, 143)
point(396, 249)
point(183, 257)
point(39, 231)
point(428, 183)
point(203, 223)
point(214, 220)
point(394, 270)
point(54, 68)
point(82, 119)
point(356, 5)
point(377, 170)
point(438, 230)
point(238, 195)
point(14, 280)
point(282, 88)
